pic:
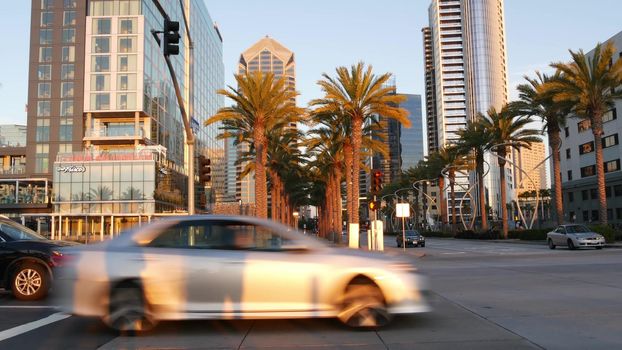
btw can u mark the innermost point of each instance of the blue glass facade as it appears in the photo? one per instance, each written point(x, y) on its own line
point(412, 138)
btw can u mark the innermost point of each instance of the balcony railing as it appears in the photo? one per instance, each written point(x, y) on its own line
point(13, 170)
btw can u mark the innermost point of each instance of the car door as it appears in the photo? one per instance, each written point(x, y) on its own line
point(560, 236)
point(282, 277)
point(6, 255)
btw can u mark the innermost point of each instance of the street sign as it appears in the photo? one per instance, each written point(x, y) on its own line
point(402, 210)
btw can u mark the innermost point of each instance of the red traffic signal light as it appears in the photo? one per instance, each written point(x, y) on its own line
point(205, 169)
point(376, 186)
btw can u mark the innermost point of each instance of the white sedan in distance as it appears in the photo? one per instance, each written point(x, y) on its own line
point(230, 267)
point(574, 236)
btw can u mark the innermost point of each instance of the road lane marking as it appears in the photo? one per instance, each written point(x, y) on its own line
point(27, 327)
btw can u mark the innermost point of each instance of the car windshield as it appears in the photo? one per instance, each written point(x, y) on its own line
point(19, 233)
point(577, 229)
point(412, 233)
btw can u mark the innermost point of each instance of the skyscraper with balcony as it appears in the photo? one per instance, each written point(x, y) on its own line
point(266, 55)
point(466, 62)
point(103, 119)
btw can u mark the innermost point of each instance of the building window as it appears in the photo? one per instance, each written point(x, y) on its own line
point(610, 115)
point(101, 26)
point(126, 101)
point(618, 213)
point(66, 129)
point(594, 215)
point(131, 7)
point(70, 4)
point(612, 165)
point(584, 125)
point(586, 216)
point(127, 82)
point(589, 170)
point(569, 175)
point(47, 4)
point(127, 63)
point(100, 63)
point(593, 193)
point(101, 8)
point(126, 44)
point(570, 196)
point(68, 54)
point(126, 25)
point(610, 140)
point(43, 130)
point(100, 101)
point(65, 148)
point(69, 18)
point(66, 89)
point(45, 54)
point(47, 18)
point(66, 108)
point(567, 153)
point(69, 35)
point(43, 109)
point(608, 191)
point(566, 131)
point(41, 161)
point(44, 72)
point(44, 90)
point(45, 37)
point(67, 72)
point(585, 195)
point(101, 44)
point(100, 82)
point(617, 190)
point(587, 147)
point(609, 214)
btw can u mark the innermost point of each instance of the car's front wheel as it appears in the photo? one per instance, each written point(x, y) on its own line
point(571, 245)
point(30, 282)
point(551, 245)
point(364, 307)
point(128, 310)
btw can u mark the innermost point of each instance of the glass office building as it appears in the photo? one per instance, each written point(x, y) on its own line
point(411, 139)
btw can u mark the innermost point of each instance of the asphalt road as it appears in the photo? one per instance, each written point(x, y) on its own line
point(485, 295)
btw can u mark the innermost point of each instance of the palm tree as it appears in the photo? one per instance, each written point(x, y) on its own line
point(357, 94)
point(507, 130)
point(262, 103)
point(589, 85)
point(535, 101)
point(475, 140)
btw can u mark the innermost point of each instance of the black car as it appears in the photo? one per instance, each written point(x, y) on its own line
point(413, 237)
point(27, 260)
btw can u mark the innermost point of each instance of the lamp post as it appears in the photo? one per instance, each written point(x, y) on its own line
point(295, 219)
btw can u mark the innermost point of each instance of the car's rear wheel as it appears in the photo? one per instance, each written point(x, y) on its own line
point(128, 310)
point(571, 245)
point(551, 245)
point(30, 282)
point(364, 307)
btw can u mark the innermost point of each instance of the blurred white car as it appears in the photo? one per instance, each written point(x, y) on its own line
point(574, 236)
point(206, 267)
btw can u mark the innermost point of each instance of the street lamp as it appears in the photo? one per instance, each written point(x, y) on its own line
point(296, 219)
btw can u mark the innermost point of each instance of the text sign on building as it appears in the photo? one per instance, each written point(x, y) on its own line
point(71, 169)
point(402, 210)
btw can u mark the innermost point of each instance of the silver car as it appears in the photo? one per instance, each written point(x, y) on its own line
point(574, 236)
point(207, 267)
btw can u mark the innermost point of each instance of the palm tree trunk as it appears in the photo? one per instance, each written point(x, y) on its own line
point(597, 130)
point(347, 154)
point(452, 182)
point(555, 143)
point(504, 208)
point(442, 206)
point(357, 136)
point(480, 190)
point(330, 202)
point(261, 196)
point(336, 223)
point(273, 193)
point(338, 197)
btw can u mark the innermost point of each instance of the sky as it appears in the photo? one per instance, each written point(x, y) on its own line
point(325, 34)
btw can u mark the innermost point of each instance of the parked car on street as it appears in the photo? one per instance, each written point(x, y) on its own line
point(574, 236)
point(27, 260)
point(210, 267)
point(412, 237)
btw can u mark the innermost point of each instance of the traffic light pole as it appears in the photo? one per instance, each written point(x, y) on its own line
point(182, 109)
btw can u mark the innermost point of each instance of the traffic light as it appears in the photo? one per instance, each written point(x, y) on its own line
point(374, 205)
point(376, 181)
point(205, 169)
point(171, 37)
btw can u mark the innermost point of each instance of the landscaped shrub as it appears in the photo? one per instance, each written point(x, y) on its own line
point(437, 234)
point(608, 232)
point(469, 234)
point(529, 235)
